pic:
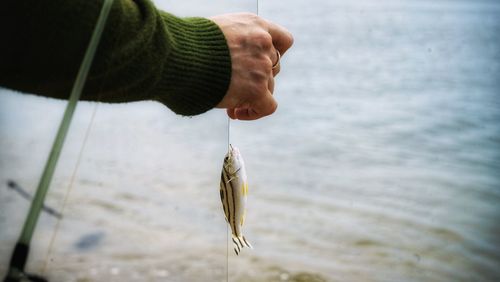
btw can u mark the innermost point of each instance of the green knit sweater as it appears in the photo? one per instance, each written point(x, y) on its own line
point(144, 54)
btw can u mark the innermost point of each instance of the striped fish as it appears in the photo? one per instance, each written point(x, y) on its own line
point(233, 194)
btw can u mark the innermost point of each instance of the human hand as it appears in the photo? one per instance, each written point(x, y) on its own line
point(253, 43)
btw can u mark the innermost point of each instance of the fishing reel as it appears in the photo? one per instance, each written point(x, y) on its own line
point(16, 271)
point(23, 276)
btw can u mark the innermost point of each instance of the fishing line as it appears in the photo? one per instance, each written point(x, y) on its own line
point(64, 203)
point(228, 133)
point(229, 148)
point(227, 226)
point(69, 189)
point(20, 254)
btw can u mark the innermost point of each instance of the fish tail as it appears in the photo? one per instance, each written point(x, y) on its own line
point(237, 247)
point(246, 242)
point(239, 243)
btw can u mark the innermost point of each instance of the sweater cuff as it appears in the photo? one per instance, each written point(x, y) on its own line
point(197, 71)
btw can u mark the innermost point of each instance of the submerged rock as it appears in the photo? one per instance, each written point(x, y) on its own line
point(307, 277)
point(90, 240)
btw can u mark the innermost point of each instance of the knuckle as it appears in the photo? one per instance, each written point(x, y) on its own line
point(262, 89)
point(262, 40)
point(258, 20)
point(251, 16)
point(259, 89)
point(266, 63)
point(258, 77)
point(276, 71)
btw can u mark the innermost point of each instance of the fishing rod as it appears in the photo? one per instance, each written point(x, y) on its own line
point(16, 272)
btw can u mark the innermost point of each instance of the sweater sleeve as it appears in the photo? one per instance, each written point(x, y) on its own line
point(144, 54)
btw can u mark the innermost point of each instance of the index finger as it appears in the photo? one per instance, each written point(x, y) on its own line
point(282, 38)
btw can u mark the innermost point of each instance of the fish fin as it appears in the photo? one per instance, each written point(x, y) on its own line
point(237, 248)
point(244, 189)
point(240, 243)
point(246, 242)
point(242, 220)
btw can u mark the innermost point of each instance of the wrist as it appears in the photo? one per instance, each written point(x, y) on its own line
point(197, 74)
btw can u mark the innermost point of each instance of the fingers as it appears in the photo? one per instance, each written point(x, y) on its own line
point(256, 46)
point(256, 113)
point(258, 109)
point(282, 38)
point(266, 106)
point(270, 85)
point(230, 113)
point(276, 70)
point(276, 65)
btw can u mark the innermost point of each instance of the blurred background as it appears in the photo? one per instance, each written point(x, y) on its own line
point(381, 164)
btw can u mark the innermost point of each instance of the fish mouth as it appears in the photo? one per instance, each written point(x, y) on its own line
point(233, 151)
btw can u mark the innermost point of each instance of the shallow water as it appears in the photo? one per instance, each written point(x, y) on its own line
point(381, 163)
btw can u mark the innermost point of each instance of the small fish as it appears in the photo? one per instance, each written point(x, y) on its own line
point(233, 194)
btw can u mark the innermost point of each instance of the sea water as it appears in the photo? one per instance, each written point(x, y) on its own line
point(382, 162)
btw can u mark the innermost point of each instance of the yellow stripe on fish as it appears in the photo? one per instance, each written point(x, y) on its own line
point(233, 194)
point(244, 188)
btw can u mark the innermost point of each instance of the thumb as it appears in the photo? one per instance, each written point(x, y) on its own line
point(258, 109)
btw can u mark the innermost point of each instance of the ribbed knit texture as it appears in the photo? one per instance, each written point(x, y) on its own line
point(144, 54)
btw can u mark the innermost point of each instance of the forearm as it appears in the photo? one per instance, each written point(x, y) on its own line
point(144, 54)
